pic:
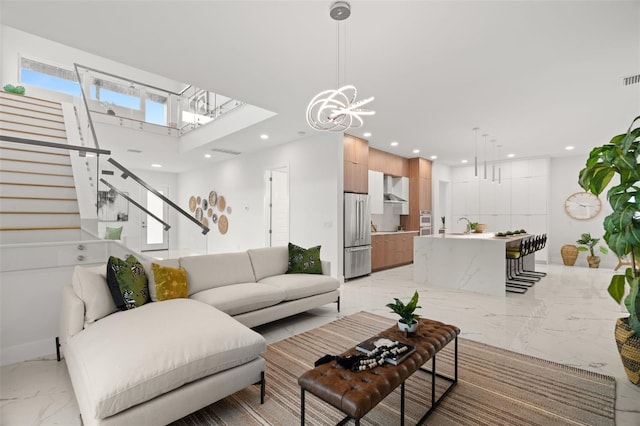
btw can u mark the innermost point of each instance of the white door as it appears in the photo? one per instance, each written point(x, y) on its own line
point(278, 207)
point(154, 236)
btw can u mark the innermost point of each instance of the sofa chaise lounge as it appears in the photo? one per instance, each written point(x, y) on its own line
point(164, 360)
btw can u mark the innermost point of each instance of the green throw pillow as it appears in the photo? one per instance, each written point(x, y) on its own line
point(113, 233)
point(127, 282)
point(304, 261)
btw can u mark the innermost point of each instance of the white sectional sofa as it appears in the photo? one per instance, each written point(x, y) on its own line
point(163, 360)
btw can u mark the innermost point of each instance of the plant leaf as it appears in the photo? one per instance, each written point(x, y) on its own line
point(616, 287)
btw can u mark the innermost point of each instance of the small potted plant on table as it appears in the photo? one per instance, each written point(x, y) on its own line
point(408, 319)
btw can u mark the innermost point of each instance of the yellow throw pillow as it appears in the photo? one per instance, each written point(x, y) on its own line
point(171, 283)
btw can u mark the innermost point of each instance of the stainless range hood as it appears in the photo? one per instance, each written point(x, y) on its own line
point(393, 198)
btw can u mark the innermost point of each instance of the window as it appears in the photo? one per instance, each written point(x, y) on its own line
point(48, 77)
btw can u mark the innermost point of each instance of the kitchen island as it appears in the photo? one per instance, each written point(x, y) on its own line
point(470, 262)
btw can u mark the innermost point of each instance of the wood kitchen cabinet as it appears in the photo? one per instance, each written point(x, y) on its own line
point(356, 165)
point(419, 192)
point(387, 163)
point(391, 250)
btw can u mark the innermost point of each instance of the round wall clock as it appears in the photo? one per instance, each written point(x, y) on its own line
point(583, 205)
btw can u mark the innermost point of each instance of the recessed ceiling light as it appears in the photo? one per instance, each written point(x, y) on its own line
point(366, 134)
point(207, 156)
point(156, 165)
point(264, 137)
point(568, 148)
point(464, 161)
point(90, 155)
point(416, 151)
point(511, 155)
point(434, 157)
point(394, 143)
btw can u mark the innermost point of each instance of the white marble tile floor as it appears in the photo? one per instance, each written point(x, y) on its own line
point(568, 317)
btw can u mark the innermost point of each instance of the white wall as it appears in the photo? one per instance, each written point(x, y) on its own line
point(315, 192)
point(16, 43)
point(563, 229)
point(519, 200)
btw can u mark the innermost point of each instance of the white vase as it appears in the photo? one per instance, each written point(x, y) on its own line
point(408, 328)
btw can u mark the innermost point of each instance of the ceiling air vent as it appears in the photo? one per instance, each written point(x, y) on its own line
point(135, 151)
point(225, 151)
point(634, 79)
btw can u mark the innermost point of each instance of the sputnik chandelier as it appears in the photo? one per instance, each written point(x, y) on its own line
point(336, 110)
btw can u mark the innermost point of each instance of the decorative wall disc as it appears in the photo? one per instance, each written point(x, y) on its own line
point(192, 204)
point(205, 222)
point(223, 224)
point(205, 204)
point(213, 197)
point(199, 214)
point(198, 200)
point(221, 203)
point(214, 218)
point(209, 212)
point(228, 209)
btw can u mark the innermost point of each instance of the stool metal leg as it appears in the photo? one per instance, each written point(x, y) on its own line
point(302, 407)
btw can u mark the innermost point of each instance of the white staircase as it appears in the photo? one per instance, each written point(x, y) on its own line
point(38, 201)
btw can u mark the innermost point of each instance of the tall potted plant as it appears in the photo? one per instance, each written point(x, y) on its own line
point(587, 243)
point(619, 158)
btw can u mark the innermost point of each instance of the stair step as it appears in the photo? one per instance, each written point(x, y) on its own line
point(12, 147)
point(35, 212)
point(32, 111)
point(26, 118)
point(37, 173)
point(30, 190)
point(29, 103)
point(21, 126)
point(58, 163)
point(12, 221)
point(40, 235)
point(7, 96)
point(43, 179)
point(28, 134)
point(38, 203)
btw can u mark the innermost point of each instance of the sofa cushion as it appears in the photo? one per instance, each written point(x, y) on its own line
point(269, 261)
point(298, 286)
point(171, 283)
point(304, 261)
point(240, 298)
point(127, 282)
point(90, 285)
point(173, 263)
point(215, 270)
point(113, 233)
point(133, 356)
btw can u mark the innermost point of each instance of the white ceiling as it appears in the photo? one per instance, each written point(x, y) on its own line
point(535, 76)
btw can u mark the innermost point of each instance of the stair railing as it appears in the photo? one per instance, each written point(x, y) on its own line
point(128, 173)
point(135, 203)
point(81, 149)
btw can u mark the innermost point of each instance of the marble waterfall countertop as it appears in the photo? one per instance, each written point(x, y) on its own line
point(393, 232)
point(478, 236)
point(469, 262)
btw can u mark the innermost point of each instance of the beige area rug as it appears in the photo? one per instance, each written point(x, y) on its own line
point(495, 387)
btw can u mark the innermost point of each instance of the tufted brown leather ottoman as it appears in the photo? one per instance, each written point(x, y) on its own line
point(356, 393)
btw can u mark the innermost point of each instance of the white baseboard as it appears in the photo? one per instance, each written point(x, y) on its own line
point(29, 351)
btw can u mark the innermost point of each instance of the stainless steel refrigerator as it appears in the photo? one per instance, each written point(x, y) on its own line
point(357, 235)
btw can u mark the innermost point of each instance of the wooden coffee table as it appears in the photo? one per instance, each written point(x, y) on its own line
point(356, 393)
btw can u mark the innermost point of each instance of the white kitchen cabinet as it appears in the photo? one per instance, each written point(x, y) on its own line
point(376, 192)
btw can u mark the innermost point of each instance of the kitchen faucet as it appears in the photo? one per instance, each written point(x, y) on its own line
point(468, 230)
